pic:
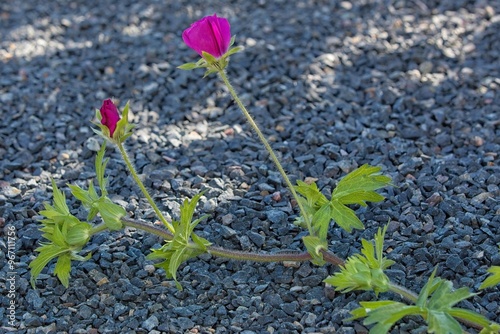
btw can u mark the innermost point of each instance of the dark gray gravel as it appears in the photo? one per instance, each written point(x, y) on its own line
point(412, 86)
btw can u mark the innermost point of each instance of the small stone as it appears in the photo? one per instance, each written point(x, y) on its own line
point(276, 216)
point(150, 323)
point(228, 219)
point(435, 199)
point(92, 144)
point(478, 199)
point(455, 263)
point(10, 192)
point(477, 141)
point(310, 319)
point(150, 268)
point(150, 88)
point(102, 281)
point(425, 67)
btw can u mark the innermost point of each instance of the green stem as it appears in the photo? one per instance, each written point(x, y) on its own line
point(276, 257)
point(98, 228)
point(264, 141)
point(404, 292)
point(143, 189)
point(234, 254)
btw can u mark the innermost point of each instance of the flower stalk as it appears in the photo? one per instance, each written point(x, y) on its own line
point(137, 180)
point(266, 144)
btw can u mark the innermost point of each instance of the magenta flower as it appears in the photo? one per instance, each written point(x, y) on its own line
point(109, 116)
point(211, 34)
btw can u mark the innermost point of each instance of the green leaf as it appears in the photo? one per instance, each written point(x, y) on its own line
point(445, 297)
point(111, 213)
point(428, 288)
point(470, 316)
point(434, 304)
point(59, 236)
point(360, 183)
point(63, 268)
point(383, 313)
point(313, 196)
point(364, 271)
point(314, 245)
point(178, 257)
point(321, 221)
point(180, 249)
point(345, 217)
point(47, 253)
point(493, 279)
point(59, 200)
point(442, 323)
point(80, 194)
point(201, 242)
point(100, 167)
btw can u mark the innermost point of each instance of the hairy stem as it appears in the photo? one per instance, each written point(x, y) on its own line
point(264, 141)
point(98, 228)
point(143, 188)
point(404, 292)
point(328, 256)
point(235, 254)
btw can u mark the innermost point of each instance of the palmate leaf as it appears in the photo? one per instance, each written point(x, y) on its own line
point(180, 249)
point(492, 280)
point(435, 304)
point(358, 187)
point(384, 314)
point(364, 271)
point(345, 217)
point(311, 193)
point(67, 236)
point(47, 253)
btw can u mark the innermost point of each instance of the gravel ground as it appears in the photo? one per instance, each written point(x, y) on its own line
point(412, 86)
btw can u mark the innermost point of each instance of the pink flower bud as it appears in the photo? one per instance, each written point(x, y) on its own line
point(211, 34)
point(109, 116)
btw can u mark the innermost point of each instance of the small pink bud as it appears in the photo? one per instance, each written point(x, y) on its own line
point(110, 116)
point(211, 34)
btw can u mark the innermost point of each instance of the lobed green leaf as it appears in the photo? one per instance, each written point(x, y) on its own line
point(100, 167)
point(63, 268)
point(360, 183)
point(180, 249)
point(111, 213)
point(47, 253)
point(493, 279)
